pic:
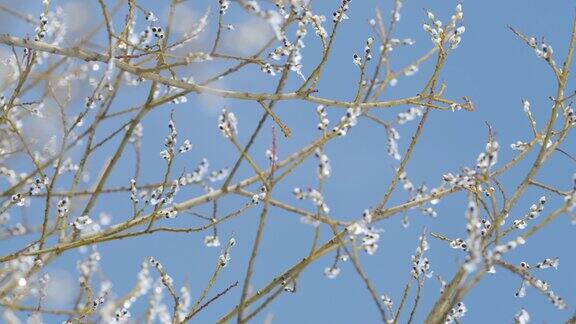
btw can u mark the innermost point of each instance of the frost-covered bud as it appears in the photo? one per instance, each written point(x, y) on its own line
point(331, 272)
point(165, 154)
point(224, 4)
point(299, 193)
point(37, 185)
point(522, 317)
point(185, 147)
point(81, 222)
point(271, 155)
point(122, 314)
point(218, 175)
point(268, 69)
point(542, 200)
point(521, 292)
point(547, 263)
point(63, 205)
point(211, 241)
point(256, 198)
point(519, 146)
point(357, 60)
point(322, 115)
point(133, 191)
point(367, 216)
point(387, 301)
point(150, 16)
point(324, 168)
point(340, 13)
point(158, 32)
point(90, 103)
point(169, 212)
point(456, 313)
point(224, 258)
point(227, 123)
point(18, 199)
point(458, 244)
point(521, 224)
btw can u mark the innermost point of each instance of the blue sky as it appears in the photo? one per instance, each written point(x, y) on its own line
point(491, 67)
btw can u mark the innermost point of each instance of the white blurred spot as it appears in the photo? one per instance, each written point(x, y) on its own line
point(22, 282)
point(76, 14)
point(249, 36)
point(61, 289)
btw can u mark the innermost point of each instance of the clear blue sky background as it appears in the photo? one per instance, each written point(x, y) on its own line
point(491, 66)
